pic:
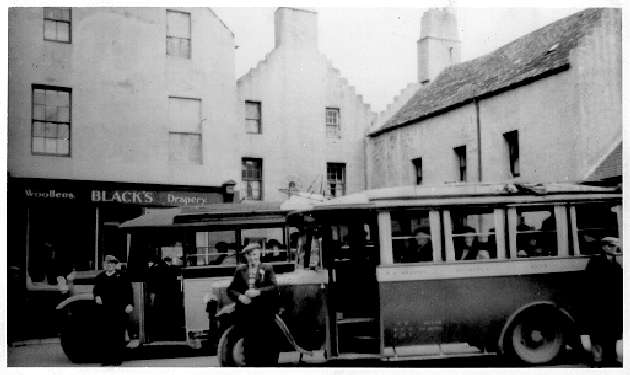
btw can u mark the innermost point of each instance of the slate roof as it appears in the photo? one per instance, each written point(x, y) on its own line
point(531, 57)
point(610, 167)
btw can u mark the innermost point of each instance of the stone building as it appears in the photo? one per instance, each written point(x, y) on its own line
point(304, 125)
point(111, 111)
point(545, 107)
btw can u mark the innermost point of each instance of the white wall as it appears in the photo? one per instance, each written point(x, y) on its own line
point(121, 79)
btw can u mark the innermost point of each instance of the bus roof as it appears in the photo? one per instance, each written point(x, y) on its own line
point(219, 214)
point(466, 193)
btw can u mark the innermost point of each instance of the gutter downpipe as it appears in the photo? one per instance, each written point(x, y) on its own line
point(479, 169)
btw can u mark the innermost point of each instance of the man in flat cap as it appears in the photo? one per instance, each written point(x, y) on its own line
point(255, 291)
point(605, 301)
point(114, 295)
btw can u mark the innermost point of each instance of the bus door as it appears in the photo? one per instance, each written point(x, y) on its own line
point(156, 261)
point(353, 304)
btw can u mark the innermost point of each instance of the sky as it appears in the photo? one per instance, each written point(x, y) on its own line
point(375, 48)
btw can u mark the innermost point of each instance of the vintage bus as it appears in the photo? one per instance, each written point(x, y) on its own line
point(387, 273)
point(202, 245)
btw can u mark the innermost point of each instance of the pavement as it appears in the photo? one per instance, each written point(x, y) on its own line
point(48, 353)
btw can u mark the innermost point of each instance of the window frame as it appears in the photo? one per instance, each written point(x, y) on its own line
point(198, 133)
point(499, 233)
point(461, 163)
point(513, 148)
point(56, 20)
point(561, 216)
point(417, 162)
point(243, 179)
point(258, 103)
point(37, 86)
point(333, 131)
point(344, 179)
point(189, 39)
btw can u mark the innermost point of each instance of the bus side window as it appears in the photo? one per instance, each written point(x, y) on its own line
point(411, 237)
point(473, 234)
point(536, 233)
point(592, 223)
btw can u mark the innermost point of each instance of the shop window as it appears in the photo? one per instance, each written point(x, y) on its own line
point(460, 159)
point(333, 123)
point(411, 237)
point(178, 40)
point(336, 179)
point(185, 135)
point(594, 222)
point(536, 233)
point(58, 24)
point(417, 168)
point(58, 247)
point(251, 176)
point(51, 120)
point(473, 234)
point(253, 117)
point(511, 141)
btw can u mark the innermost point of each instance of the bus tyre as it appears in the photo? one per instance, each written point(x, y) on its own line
point(230, 351)
point(535, 336)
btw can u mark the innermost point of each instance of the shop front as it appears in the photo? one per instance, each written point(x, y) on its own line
point(55, 227)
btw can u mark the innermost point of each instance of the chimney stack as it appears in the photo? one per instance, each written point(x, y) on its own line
point(295, 28)
point(439, 45)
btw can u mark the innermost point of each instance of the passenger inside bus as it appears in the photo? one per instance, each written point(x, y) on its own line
point(536, 234)
point(274, 252)
point(423, 249)
point(467, 246)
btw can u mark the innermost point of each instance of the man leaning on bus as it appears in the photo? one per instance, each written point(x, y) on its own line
point(254, 289)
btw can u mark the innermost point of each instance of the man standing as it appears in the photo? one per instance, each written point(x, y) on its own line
point(605, 306)
point(113, 294)
point(255, 292)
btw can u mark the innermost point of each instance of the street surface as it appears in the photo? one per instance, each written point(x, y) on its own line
point(48, 353)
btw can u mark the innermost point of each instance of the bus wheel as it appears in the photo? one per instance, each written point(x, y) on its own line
point(535, 337)
point(230, 351)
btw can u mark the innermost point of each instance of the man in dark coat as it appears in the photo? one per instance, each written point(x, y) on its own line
point(605, 302)
point(114, 295)
point(255, 291)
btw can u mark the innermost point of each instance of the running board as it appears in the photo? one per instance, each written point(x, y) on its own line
point(409, 357)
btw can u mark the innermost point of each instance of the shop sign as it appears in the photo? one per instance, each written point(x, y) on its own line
point(49, 194)
point(158, 198)
point(123, 196)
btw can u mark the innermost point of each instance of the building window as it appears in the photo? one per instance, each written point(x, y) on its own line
point(178, 34)
point(251, 175)
point(336, 176)
point(185, 141)
point(511, 140)
point(417, 167)
point(253, 118)
point(460, 157)
point(50, 125)
point(58, 24)
point(333, 125)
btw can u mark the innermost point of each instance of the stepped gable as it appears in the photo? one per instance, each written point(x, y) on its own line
point(259, 66)
point(344, 82)
point(538, 54)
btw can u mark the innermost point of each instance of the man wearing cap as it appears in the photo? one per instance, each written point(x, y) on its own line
point(604, 305)
point(113, 294)
point(255, 291)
